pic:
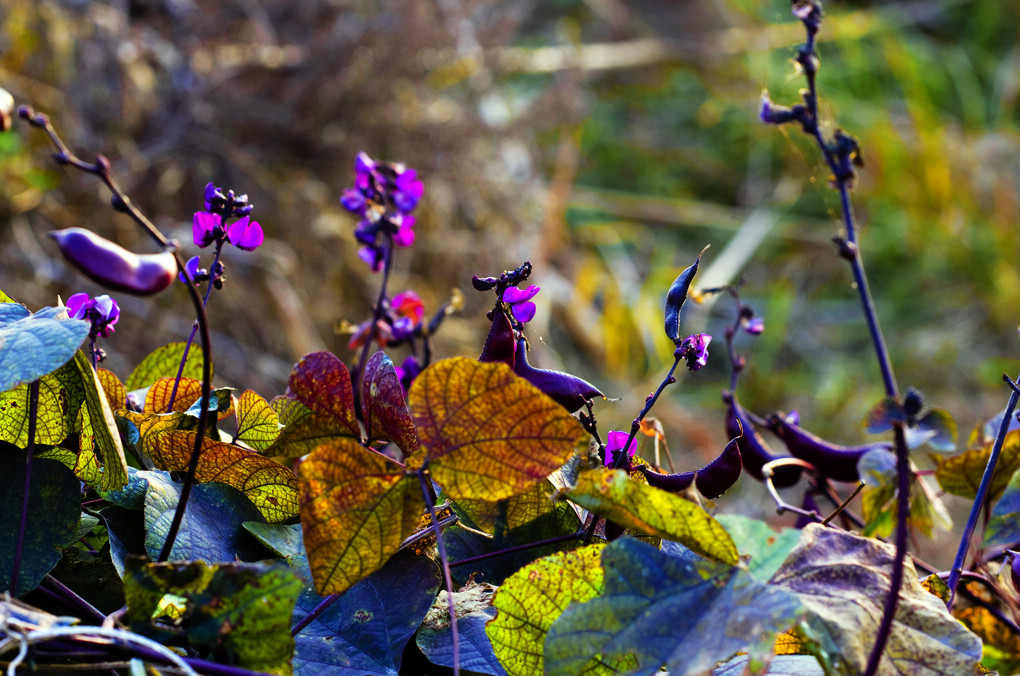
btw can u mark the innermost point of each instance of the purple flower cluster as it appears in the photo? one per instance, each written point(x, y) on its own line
point(208, 226)
point(384, 195)
point(102, 311)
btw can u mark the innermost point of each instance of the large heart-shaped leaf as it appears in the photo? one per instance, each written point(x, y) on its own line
point(638, 506)
point(357, 507)
point(32, 345)
point(488, 433)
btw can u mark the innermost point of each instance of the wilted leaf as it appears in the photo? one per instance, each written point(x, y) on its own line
point(244, 608)
point(366, 629)
point(843, 580)
point(488, 433)
point(164, 362)
point(54, 509)
point(961, 474)
point(473, 609)
point(531, 599)
point(211, 529)
point(32, 345)
point(270, 486)
point(382, 401)
point(357, 507)
point(767, 548)
point(656, 609)
point(638, 506)
point(258, 425)
point(1004, 525)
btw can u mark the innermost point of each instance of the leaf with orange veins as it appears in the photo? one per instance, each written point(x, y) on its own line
point(488, 433)
point(357, 507)
point(382, 402)
point(157, 399)
point(271, 487)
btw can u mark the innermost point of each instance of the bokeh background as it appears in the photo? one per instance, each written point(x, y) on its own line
point(607, 141)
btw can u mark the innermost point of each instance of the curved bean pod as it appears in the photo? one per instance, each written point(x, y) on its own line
point(712, 480)
point(831, 460)
point(754, 452)
point(113, 266)
point(568, 391)
point(675, 299)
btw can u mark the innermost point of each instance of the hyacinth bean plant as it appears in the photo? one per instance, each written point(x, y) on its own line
point(408, 512)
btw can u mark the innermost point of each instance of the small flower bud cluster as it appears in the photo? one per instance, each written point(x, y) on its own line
point(209, 226)
point(384, 195)
point(102, 311)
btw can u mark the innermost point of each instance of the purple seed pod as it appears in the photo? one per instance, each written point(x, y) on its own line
point(675, 299)
point(499, 344)
point(831, 460)
point(712, 480)
point(568, 391)
point(113, 266)
point(1014, 568)
point(754, 452)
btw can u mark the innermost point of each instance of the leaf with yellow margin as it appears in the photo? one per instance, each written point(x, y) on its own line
point(531, 599)
point(488, 433)
point(270, 486)
point(357, 506)
point(638, 506)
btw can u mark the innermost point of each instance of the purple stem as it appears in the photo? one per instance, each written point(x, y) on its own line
point(427, 491)
point(194, 328)
point(517, 548)
point(33, 411)
point(315, 612)
point(69, 597)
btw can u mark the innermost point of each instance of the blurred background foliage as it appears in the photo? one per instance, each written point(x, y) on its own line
point(607, 141)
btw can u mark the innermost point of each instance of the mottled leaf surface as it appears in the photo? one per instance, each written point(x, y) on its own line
point(211, 529)
point(32, 345)
point(488, 433)
point(842, 580)
point(765, 548)
point(164, 362)
point(638, 506)
point(961, 474)
point(879, 502)
point(52, 423)
point(366, 629)
point(473, 609)
point(357, 507)
point(382, 401)
point(656, 609)
point(321, 382)
point(782, 665)
point(258, 425)
point(54, 510)
point(243, 608)
point(116, 394)
point(1001, 646)
point(530, 600)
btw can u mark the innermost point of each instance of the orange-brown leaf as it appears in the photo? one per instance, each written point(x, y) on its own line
point(488, 433)
point(158, 397)
point(357, 507)
point(116, 395)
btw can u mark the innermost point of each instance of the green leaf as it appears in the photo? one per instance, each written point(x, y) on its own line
point(961, 474)
point(54, 510)
point(488, 433)
point(243, 609)
point(284, 539)
point(638, 506)
point(501, 516)
point(766, 548)
point(382, 400)
point(164, 362)
point(258, 425)
point(473, 609)
point(656, 609)
point(530, 600)
point(54, 420)
point(366, 629)
point(357, 507)
point(211, 529)
point(1004, 526)
point(880, 504)
point(32, 345)
point(101, 436)
point(843, 580)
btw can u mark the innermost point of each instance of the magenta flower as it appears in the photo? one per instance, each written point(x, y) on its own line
point(755, 325)
point(102, 311)
point(245, 234)
point(614, 444)
point(520, 302)
point(206, 228)
point(197, 274)
point(694, 349)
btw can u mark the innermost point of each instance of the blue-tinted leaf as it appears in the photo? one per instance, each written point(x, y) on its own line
point(32, 345)
point(884, 415)
point(782, 665)
point(657, 610)
point(843, 580)
point(942, 428)
point(767, 548)
point(474, 609)
point(366, 629)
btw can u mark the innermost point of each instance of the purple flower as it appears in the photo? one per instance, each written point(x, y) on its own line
point(754, 325)
point(384, 195)
point(520, 302)
point(206, 228)
point(196, 273)
point(102, 311)
point(615, 443)
point(245, 234)
point(694, 349)
point(213, 196)
point(407, 372)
